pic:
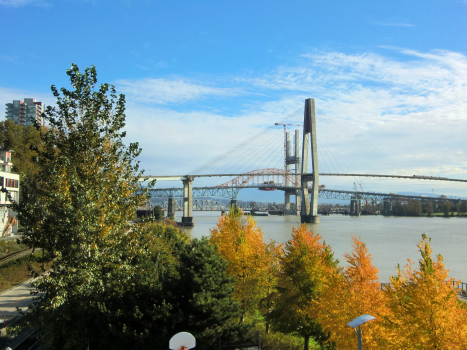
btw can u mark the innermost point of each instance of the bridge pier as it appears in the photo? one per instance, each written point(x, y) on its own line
point(234, 203)
point(171, 209)
point(309, 209)
point(287, 202)
point(288, 205)
point(355, 206)
point(387, 207)
point(187, 219)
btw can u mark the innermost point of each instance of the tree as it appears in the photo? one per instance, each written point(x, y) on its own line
point(241, 243)
point(306, 270)
point(202, 297)
point(272, 256)
point(24, 141)
point(429, 207)
point(446, 207)
point(77, 209)
point(463, 206)
point(411, 208)
point(158, 213)
point(354, 292)
point(423, 305)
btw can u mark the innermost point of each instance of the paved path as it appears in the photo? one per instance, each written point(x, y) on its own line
point(17, 297)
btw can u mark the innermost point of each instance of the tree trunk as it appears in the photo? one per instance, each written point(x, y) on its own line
point(307, 340)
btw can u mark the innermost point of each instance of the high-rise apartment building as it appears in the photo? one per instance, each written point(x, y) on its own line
point(24, 112)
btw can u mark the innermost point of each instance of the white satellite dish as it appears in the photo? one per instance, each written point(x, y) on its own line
point(184, 339)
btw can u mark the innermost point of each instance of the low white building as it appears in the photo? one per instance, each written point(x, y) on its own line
point(10, 181)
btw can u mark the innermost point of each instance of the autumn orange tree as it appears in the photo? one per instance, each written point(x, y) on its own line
point(250, 259)
point(352, 292)
point(306, 269)
point(424, 312)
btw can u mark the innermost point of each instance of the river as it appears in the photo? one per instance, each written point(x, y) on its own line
point(390, 240)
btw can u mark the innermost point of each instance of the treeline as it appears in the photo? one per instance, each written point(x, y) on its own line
point(413, 207)
point(409, 208)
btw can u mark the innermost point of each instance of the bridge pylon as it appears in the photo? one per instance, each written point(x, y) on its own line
point(292, 159)
point(309, 210)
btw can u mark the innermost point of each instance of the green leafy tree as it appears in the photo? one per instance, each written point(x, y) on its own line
point(463, 207)
point(77, 209)
point(429, 207)
point(178, 286)
point(158, 213)
point(446, 207)
point(202, 297)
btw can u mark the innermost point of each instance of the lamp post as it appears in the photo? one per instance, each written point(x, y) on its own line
point(356, 323)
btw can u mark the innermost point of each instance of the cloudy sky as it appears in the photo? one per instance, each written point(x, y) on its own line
point(200, 77)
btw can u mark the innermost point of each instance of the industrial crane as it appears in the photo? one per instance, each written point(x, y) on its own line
point(361, 188)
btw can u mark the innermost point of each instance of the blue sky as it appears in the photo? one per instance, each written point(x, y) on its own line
point(201, 76)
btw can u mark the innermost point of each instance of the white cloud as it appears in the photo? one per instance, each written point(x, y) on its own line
point(372, 87)
point(161, 91)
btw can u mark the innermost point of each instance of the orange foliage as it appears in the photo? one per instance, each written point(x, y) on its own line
point(353, 292)
point(251, 261)
point(306, 268)
point(424, 310)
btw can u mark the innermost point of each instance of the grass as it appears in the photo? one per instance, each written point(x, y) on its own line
point(17, 271)
point(11, 245)
point(279, 341)
point(455, 214)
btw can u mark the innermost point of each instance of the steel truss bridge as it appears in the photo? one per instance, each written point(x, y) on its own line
point(201, 205)
point(233, 192)
point(213, 205)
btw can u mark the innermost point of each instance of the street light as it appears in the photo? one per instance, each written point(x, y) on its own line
point(356, 323)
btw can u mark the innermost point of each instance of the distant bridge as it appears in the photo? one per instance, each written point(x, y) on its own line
point(293, 183)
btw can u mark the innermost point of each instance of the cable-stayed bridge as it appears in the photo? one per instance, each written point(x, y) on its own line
point(294, 179)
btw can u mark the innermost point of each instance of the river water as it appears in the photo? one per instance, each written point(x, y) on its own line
point(390, 240)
